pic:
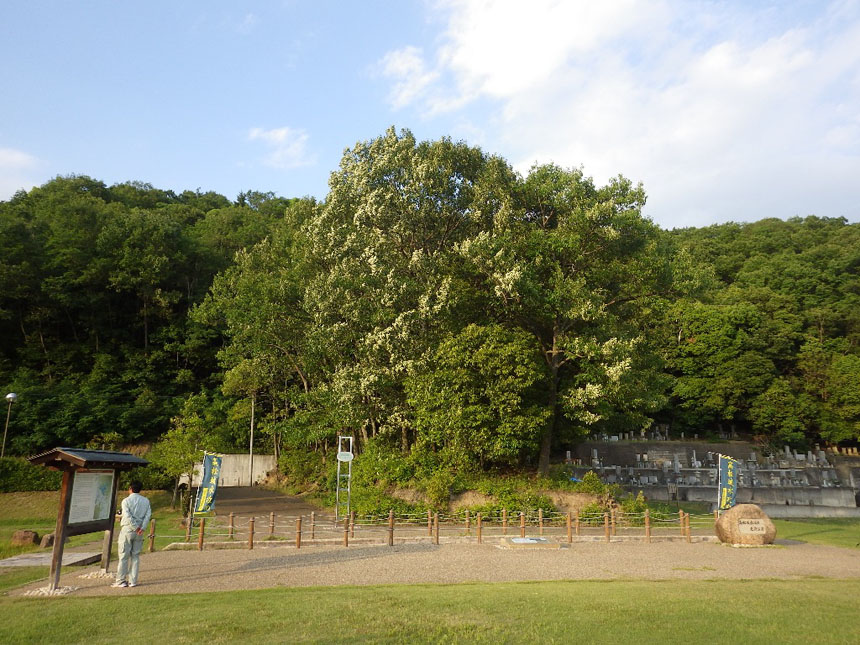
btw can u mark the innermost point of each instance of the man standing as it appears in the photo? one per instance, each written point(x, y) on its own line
point(136, 512)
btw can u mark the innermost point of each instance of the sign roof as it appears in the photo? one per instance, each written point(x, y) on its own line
point(62, 458)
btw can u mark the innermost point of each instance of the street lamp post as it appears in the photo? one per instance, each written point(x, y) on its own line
point(11, 398)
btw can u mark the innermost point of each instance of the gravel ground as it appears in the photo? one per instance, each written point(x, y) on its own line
point(169, 572)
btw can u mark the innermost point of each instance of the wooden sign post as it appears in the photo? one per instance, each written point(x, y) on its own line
point(87, 497)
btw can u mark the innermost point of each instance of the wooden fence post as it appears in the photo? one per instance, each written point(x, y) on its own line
point(540, 521)
point(230, 528)
point(480, 530)
point(391, 527)
point(716, 515)
point(429, 523)
point(188, 522)
point(435, 528)
point(152, 535)
point(569, 530)
point(648, 525)
point(251, 533)
point(522, 524)
point(681, 522)
point(612, 521)
point(200, 536)
point(468, 523)
point(606, 526)
point(313, 525)
point(504, 521)
point(272, 524)
point(576, 521)
point(346, 531)
point(299, 532)
point(352, 524)
point(689, 533)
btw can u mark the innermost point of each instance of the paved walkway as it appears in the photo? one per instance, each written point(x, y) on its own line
point(43, 559)
point(253, 500)
point(169, 572)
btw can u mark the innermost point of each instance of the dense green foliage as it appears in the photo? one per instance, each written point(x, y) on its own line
point(96, 285)
point(445, 311)
point(17, 474)
point(772, 346)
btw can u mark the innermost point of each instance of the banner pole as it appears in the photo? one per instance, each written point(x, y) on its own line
point(199, 486)
point(719, 481)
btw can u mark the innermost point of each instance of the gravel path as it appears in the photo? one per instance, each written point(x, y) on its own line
point(168, 572)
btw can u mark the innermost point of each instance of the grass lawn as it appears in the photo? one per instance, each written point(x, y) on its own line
point(839, 531)
point(769, 611)
point(12, 577)
point(38, 511)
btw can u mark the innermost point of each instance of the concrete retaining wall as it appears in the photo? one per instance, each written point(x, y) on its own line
point(235, 470)
point(806, 497)
point(783, 511)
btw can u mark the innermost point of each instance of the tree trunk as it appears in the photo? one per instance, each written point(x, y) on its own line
point(549, 432)
point(554, 363)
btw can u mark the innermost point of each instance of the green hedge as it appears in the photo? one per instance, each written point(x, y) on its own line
point(17, 475)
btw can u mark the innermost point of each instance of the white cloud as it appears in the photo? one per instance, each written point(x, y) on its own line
point(406, 68)
point(16, 168)
point(287, 147)
point(723, 111)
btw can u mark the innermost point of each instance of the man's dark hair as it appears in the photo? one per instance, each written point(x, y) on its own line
point(136, 487)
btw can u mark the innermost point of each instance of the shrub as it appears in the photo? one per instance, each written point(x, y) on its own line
point(591, 484)
point(371, 501)
point(19, 475)
point(634, 505)
point(633, 509)
point(380, 463)
point(592, 514)
point(302, 466)
point(439, 488)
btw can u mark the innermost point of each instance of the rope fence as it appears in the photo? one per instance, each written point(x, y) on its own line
point(246, 531)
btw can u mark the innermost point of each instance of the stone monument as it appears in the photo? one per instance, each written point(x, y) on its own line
point(745, 524)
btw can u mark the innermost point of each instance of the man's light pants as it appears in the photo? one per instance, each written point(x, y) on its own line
point(130, 545)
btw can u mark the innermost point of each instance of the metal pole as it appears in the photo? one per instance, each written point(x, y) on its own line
point(6, 428)
point(251, 448)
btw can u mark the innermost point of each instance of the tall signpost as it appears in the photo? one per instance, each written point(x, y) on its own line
point(344, 479)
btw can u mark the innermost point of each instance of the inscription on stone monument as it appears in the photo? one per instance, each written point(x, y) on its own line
point(751, 526)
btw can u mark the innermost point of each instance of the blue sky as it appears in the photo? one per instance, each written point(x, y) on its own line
point(724, 110)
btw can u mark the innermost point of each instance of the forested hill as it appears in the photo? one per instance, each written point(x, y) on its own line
point(435, 303)
point(96, 284)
